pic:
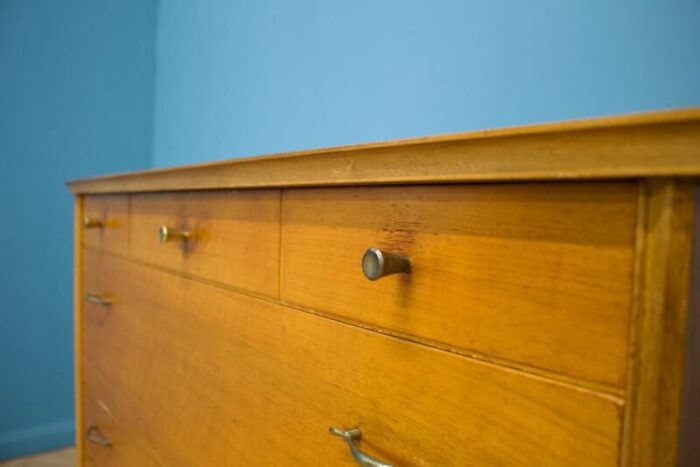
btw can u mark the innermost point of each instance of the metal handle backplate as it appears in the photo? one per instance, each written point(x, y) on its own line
point(351, 436)
point(95, 435)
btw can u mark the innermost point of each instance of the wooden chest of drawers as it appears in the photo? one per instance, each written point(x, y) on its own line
point(510, 298)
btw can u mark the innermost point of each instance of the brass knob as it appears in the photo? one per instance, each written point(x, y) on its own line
point(377, 263)
point(92, 223)
point(168, 234)
point(98, 299)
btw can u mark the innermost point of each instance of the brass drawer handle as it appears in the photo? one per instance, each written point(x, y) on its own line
point(95, 435)
point(98, 299)
point(92, 223)
point(168, 234)
point(377, 263)
point(352, 435)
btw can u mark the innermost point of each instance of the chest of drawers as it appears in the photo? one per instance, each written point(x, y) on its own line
point(510, 298)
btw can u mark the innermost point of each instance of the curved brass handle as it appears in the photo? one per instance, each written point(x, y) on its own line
point(98, 299)
point(377, 263)
point(352, 435)
point(168, 234)
point(92, 223)
point(95, 435)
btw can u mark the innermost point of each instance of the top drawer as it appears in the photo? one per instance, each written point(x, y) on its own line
point(233, 235)
point(538, 274)
point(105, 222)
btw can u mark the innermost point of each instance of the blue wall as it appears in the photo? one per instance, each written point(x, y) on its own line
point(252, 76)
point(76, 99)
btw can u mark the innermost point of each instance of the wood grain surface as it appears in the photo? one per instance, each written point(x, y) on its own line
point(689, 423)
point(538, 274)
point(204, 376)
point(113, 211)
point(629, 146)
point(235, 235)
point(126, 449)
point(78, 327)
point(660, 326)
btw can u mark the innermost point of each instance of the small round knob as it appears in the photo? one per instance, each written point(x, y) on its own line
point(92, 223)
point(377, 263)
point(168, 234)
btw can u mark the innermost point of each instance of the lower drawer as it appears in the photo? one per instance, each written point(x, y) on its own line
point(204, 376)
point(107, 442)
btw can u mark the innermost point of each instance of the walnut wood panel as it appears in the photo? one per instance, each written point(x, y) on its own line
point(113, 211)
point(125, 449)
point(235, 235)
point(78, 327)
point(689, 424)
point(538, 274)
point(96, 415)
point(205, 376)
point(92, 282)
point(660, 328)
point(630, 146)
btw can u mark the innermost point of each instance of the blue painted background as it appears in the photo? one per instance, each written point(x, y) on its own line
point(252, 76)
point(96, 86)
point(76, 98)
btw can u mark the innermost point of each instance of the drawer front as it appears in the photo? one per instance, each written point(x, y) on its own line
point(99, 426)
point(209, 377)
point(107, 443)
point(538, 274)
point(234, 235)
point(101, 421)
point(107, 229)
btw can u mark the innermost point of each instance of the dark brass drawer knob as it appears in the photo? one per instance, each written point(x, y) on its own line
point(351, 436)
point(377, 263)
point(168, 234)
point(92, 223)
point(94, 435)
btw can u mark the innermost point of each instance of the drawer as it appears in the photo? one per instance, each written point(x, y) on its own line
point(107, 226)
point(100, 401)
point(98, 290)
point(106, 441)
point(100, 429)
point(536, 274)
point(206, 376)
point(234, 235)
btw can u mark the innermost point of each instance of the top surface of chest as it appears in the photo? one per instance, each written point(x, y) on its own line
point(660, 144)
